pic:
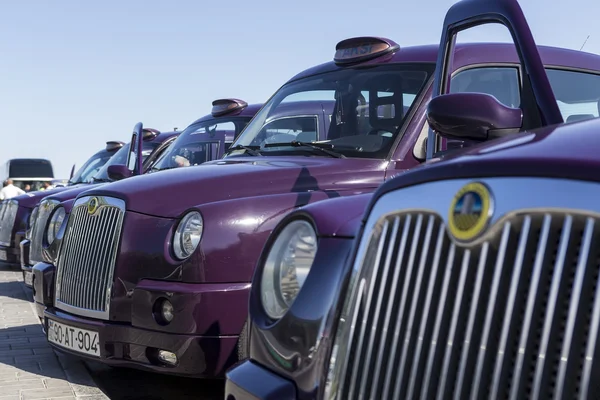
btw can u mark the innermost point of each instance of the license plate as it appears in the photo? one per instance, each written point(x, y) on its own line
point(76, 339)
point(3, 255)
point(28, 278)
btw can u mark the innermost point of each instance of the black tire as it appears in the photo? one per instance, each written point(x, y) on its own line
point(243, 345)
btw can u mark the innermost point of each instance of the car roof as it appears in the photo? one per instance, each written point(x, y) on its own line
point(466, 54)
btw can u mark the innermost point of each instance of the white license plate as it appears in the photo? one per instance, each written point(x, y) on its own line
point(28, 278)
point(76, 339)
point(3, 255)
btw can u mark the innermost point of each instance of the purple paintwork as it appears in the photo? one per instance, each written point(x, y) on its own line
point(476, 116)
point(290, 356)
point(29, 200)
point(163, 145)
point(242, 198)
point(118, 172)
point(158, 143)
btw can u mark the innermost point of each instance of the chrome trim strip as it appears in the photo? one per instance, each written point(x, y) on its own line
point(87, 258)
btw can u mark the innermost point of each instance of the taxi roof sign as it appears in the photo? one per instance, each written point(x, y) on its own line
point(226, 106)
point(113, 145)
point(359, 49)
point(149, 133)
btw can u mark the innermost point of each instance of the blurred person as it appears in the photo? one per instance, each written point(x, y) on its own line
point(9, 191)
point(27, 188)
point(46, 185)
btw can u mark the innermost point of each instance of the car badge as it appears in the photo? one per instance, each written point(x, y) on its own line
point(470, 212)
point(92, 206)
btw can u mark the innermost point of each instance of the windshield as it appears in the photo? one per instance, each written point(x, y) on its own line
point(120, 158)
point(201, 142)
point(365, 108)
point(91, 167)
point(30, 168)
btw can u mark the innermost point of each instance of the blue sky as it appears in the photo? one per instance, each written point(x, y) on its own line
point(75, 74)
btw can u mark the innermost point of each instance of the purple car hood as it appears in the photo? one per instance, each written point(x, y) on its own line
point(31, 199)
point(73, 192)
point(340, 217)
point(170, 193)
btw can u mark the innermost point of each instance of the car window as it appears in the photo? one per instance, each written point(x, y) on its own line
point(500, 82)
point(200, 142)
point(304, 129)
point(576, 92)
point(368, 106)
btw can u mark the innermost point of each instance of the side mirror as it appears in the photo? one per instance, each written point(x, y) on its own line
point(472, 116)
point(118, 172)
point(72, 172)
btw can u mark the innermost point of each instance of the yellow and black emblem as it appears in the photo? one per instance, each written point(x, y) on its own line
point(470, 211)
point(93, 205)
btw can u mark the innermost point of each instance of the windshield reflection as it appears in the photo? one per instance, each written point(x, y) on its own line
point(200, 142)
point(120, 158)
point(90, 168)
point(363, 111)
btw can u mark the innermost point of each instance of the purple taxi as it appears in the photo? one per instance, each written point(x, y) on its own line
point(205, 139)
point(153, 144)
point(15, 213)
point(166, 287)
point(474, 275)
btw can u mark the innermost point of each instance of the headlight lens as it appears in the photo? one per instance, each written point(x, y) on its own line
point(286, 267)
point(32, 218)
point(188, 235)
point(54, 224)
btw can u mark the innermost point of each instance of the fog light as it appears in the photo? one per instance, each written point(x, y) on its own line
point(163, 311)
point(167, 357)
point(167, 311)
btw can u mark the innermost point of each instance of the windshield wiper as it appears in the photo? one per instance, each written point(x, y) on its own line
point(252, 150)
point(322, 147)
point(100, 180)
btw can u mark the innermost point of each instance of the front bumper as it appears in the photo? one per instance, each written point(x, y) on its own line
point(200, 352)
point(128, 346)
point(249, 381)
point(10, 256)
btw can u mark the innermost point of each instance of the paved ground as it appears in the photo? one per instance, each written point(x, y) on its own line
point(128, 384)
point(29, 369)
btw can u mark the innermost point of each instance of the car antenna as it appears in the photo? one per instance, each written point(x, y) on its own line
point(585, 41)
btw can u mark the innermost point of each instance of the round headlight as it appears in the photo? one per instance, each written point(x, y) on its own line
point(289, 260)
point(32, 218)
point(56, 221)
point(187, 235)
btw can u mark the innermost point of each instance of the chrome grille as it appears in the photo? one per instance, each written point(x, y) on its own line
point(8, 215)
point(515, 315)
point(39, 219)
point(87, 257)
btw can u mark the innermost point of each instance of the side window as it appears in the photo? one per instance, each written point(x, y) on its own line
point(303, 129)
point(223, 127)
point(155, 157)
point(500, 82)
point(577, 93)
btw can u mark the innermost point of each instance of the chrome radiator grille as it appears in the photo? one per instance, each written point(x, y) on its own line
point(39, 219)
point(513, 316)
point(87, 256)
point(8, 215)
